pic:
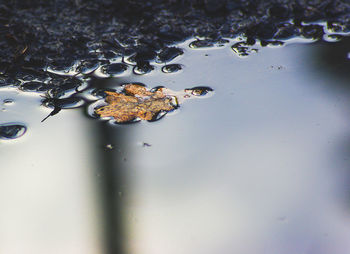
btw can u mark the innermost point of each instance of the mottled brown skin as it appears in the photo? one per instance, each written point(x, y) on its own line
point(136, 102)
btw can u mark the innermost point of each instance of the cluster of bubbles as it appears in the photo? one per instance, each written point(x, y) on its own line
point(62, 83)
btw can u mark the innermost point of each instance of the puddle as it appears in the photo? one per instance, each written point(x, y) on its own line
point(259, 167)
point(270, 144)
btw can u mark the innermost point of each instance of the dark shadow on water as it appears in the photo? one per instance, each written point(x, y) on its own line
point(112, 181)
point(331, 60)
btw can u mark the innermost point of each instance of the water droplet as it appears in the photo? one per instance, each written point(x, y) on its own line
point(114, 69)
point(168, 54)
point(8, 101)
point(171, 68)
point(26, 75)
point(143, 54)
point(12, 131)
point(65, 88)
point(62, 66)
point(199, 90)
point(34, 86)
point(88, 66)
point(6, 81)
point(208, 43)
point(143, 68)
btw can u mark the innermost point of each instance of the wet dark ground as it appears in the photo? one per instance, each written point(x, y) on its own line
point(41, 35)
point(259, 167)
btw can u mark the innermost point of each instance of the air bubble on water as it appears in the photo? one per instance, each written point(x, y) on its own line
point(34, 86)
point(114, 69)
point(171, 68)
point(8, 82)
point(12, 130)
point(128, 60)
point(64, 68)
point(199, 90)
point(207, 43)
point(111, 70)
point(87, 67)
point(169, 53)
point(8, 101)
point(332, 37)
point(144, 69)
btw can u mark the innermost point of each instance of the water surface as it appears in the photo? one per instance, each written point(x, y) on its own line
point(259, 167)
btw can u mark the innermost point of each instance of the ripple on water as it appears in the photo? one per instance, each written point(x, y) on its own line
point(171, 68)
point(8, 101)
point(12, 130)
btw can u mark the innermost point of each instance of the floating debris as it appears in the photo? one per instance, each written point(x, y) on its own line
point(12, 131)
point(136, 102)
point(144, 144)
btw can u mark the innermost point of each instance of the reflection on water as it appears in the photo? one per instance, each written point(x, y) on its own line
point(255, 169)
point(47, 187)
point(260, 167)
